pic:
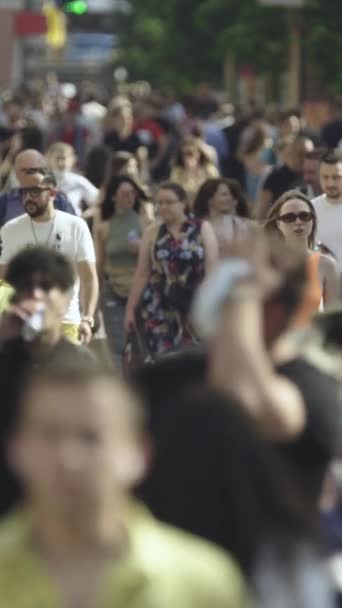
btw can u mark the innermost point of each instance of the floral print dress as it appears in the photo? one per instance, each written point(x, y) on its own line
point(177, 269)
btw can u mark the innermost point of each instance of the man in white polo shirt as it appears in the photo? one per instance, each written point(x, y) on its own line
point(42, 224)
point(328, 206)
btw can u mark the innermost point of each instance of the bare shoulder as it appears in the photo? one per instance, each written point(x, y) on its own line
point(206, 227)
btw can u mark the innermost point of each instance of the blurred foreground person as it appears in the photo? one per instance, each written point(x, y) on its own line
point(31, 331)
point(213, 476)
point(309, 449)
point(293, 400)
point(76, 443)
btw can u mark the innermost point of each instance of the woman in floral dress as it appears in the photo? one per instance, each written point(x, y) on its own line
point(173, 259)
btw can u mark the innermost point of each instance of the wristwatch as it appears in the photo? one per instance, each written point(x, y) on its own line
point(89, 320)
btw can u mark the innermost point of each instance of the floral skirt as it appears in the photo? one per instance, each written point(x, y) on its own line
point(166, 329)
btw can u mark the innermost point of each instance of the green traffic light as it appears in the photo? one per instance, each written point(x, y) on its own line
point(78, 7)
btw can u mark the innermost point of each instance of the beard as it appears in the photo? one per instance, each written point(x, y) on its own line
point(34, 210)
point(333, 193)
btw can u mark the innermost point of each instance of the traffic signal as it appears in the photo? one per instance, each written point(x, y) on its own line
point(76, 7)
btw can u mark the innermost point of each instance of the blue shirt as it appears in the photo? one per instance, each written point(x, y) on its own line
point(11, 205)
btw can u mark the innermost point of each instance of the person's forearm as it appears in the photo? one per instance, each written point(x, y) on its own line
point(89, 296)
point(240, 367)
point(273, 403)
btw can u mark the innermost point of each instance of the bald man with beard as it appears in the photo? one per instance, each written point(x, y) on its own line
point(27, 163)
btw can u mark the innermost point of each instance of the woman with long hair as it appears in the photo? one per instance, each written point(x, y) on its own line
point(192, 167)
point(293, 218)
point(222, 202)
point(173, 259)
point(118, 231)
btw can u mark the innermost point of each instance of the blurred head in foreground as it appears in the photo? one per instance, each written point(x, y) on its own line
point(75, 441)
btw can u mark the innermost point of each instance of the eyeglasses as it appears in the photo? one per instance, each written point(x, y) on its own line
point(33, 191)
point(290, 218)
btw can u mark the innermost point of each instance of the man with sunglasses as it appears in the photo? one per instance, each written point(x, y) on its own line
point(45, 226)
point(27, 163)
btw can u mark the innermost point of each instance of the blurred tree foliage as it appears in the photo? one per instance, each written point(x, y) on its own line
point(181, 42)
point(322, 35)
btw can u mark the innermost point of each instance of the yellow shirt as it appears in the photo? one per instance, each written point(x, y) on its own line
point(6, 292)
point(162, 568)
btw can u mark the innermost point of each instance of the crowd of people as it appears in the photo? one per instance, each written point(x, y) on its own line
point(170, 353)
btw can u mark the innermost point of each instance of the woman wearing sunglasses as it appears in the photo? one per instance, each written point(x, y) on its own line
point(293, 217)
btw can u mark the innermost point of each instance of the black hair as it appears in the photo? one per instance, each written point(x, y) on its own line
point(316, 154)
point(32, 138)
point(332, 157)
point(214, 477)
point(38, 259)
point(95, 167)
point(108, 205)
point(209, 189)
point(177, 189)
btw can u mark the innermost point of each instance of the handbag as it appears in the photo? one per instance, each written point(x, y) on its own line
point(136, 351)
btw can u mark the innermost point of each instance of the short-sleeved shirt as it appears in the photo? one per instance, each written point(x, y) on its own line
point(280, 180)
point(329, 232)
point(162, 567)
point(65, 233)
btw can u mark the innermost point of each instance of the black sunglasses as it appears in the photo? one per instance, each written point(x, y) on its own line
point(33, 191)
point(290, 218)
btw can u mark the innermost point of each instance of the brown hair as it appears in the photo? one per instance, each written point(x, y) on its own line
point(208, 190)
point(270, 224)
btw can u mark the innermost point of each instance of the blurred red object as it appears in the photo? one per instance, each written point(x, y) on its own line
point(29, 23)
point(73, 106)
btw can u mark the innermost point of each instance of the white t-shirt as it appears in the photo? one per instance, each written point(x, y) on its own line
point(329, 225)
point(65, 233)
point(78, 188)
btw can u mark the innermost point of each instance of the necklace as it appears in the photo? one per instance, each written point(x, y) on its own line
point(49, 235)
